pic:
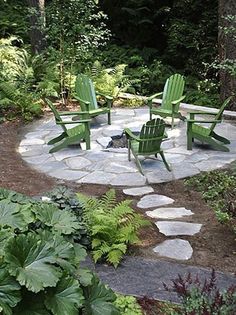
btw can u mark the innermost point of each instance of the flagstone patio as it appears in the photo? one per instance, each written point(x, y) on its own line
point(102, 165)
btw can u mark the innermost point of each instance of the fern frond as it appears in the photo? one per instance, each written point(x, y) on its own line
point(114, 257)
point(108, 201)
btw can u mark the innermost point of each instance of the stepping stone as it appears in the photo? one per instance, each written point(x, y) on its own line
point(138, 191)
point(178, 228)
point(152, 201)
point(169, 213)
point(175, 249)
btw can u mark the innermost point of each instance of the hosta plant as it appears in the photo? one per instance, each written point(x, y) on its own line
point(40, 271)
point(113, 226)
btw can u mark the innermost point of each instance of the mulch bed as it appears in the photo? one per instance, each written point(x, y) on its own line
point(214, 246)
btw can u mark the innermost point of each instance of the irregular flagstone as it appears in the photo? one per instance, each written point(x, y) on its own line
point(181, 150)
point(104, 141)
point(184, 169)
point(198, 157)
point(155, 200)
point(159, 176)
point(51, 166)
point(37, 134)
point(131, 179)
point(210, 165)
point(97, 177)
point(175, 249)
point(174, 158)
point(169, 213)
point(113, 133)
point(138, 191)
point(68, 174)
point(119, 168)
point(173, 228)
point(32, 141)
point(77, 162)
point(40, 159)
point(68, 153)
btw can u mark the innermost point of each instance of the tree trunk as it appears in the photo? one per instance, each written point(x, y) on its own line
point(37, 22)
point(227, 50)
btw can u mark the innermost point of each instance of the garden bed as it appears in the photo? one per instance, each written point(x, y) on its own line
point(214, 247)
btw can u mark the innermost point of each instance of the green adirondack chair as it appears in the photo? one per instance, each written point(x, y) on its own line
point(172, 95)
point(69, 136)
point(148, 142)
point(85, 94)
point(205, 134)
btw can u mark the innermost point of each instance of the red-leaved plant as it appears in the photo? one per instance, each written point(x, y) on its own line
point(203, 299)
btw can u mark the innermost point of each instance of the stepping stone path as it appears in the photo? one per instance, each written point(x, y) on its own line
point(177, 249)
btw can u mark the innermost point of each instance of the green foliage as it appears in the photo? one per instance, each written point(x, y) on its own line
point(127, 305)
point(39, 267)
point(131, 102)
point(109, 81)
point(218, 188)
point(66, 199)
point(113, 226)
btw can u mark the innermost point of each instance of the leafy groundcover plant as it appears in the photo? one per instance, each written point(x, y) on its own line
point(40, 271)
point(218, 188)
point(203, 298)
point(112, 225)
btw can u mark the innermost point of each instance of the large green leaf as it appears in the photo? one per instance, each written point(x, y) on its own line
point(61, 221)
point(9, 291)
point(31, 304)
point(66, 298)
point(10, 215)
point(99, 298)
point(31, 261)
point(5, 235)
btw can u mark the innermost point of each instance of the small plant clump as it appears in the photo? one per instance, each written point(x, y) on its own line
point(127, 305)
point(66, 199)
point(203, 299)
point(112, 225)
point(218, 188)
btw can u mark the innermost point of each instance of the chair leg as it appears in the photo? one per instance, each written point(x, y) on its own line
point(57, 139)
point(129, 149)
point(109, 118)
point(189, 137)
point(172, 121)
point(164, 160)
point(220, 138)
point(138, 164)
point(150, 114)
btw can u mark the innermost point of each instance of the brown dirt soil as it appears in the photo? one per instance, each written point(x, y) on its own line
point(214, 247)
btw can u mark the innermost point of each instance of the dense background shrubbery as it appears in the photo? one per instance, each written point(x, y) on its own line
point(149, 39)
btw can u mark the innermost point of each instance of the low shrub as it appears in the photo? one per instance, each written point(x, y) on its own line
point(127, 305)
point(218, 188)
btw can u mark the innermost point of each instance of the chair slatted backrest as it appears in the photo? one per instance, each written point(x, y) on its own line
point(55, 113)
point(173, 90)
point(153, 130)
point(220, 113)
point(84, 88)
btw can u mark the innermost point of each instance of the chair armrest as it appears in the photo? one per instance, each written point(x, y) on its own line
point(150, 98)
point(68, 113)
point(202, 113)
point(203, 121)
point(130, 134)
point(179, 100)
point(73, 122)
point(110, 98)
point(80, 100)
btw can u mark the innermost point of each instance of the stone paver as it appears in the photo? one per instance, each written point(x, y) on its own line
point(171, 228)
point(138, 191)
point(175, 249)
point(169, 213)
point(113, 161)
point(153, 201)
